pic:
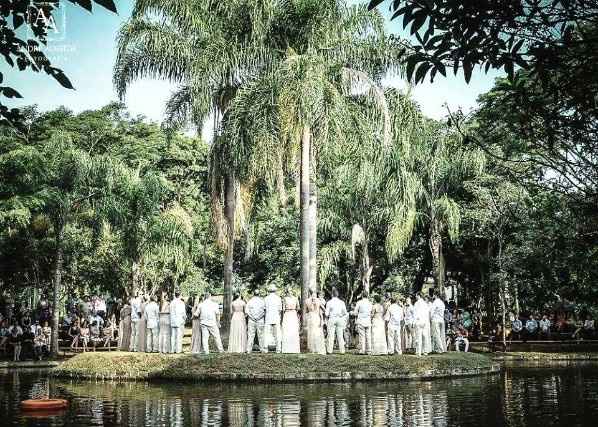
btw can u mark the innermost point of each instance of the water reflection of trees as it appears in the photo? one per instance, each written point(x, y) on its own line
point(514, 398)
point(400, 404)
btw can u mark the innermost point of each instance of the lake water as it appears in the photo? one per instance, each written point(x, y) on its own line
point(557, 396)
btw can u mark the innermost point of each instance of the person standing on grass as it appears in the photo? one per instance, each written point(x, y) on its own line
point(195, 326)
point(136, 314)
point(363, 313)
point(336, 313)
point(209, 316)
point(237, 337)
point(409, 323)
point(255, 310)
point(152, 316)
point(178, 315)
point(164, 345)
point(394, 317)
point(438, 334)
point(421, 317)
point(272, 319)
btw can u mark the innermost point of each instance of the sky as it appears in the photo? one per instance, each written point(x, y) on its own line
point(85, 49)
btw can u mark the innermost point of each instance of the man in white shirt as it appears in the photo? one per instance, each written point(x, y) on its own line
point(363, 311)
point(255, 310)
point(178, 315)
point(421, 312)
point(135, 318)
point(209, 317)
point(438, 333)
point(272, 319)
point(336, 313)
point(152, 316)
point(394, 317)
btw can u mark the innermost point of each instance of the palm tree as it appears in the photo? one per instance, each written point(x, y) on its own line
point(206, 48)
point(434, 165)
point(212, 49)
point(57, 181)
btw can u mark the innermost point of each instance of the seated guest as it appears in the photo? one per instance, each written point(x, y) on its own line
point(26, 322)
point(40, 344)
point(577, 331)
point(531, 327)
point(516, 328)
point(47, 330)
point(109, 331)
point(589, 328)
point(100, 306)
point(95, 334)
point(462, 337)
point(545, 327)
point(27, 344)
point(84, 335)
point(75, 333)
point(95, 317)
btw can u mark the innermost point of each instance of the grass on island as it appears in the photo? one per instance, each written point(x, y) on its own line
point(140, 366)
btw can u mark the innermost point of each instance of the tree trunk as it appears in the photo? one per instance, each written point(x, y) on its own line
point(136, 277)
point(305, 217)
point(229, 212)
point(366, 268)
point(57, 289)
point(436, 251)
point(313, 238)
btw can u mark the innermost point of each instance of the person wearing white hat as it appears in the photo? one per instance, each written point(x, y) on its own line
point(272, 319)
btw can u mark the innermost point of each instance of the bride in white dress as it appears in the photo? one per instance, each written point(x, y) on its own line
point(290, 324)
point(379, 344)
point(315, 322)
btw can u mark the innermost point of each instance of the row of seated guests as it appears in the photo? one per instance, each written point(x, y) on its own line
point(91, 332)
point(24, 340)
point(551, 326)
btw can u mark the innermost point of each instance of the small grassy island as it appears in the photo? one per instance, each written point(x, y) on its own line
point(271, 367)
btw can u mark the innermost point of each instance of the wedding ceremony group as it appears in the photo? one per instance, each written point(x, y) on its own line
point(383, 327)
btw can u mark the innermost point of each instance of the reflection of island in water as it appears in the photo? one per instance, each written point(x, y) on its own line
point(518, 397)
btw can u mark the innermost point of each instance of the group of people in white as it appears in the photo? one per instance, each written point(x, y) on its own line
point(383, 327)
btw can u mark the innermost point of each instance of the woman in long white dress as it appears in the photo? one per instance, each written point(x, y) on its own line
point(315, 323)
point(195, 328)
point(427, 332)
point(164, 344)
point(290, 324)
point(237, 338)
point(379, 344)
point(124, 328)
point(142, 325)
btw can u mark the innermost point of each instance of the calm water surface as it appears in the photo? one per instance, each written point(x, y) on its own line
point(557, 396)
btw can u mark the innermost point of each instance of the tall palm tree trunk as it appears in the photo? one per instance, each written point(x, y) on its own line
point(57, 289)
point(436, 251)
point(305, 217)
point(313, 237)
point(229, 213)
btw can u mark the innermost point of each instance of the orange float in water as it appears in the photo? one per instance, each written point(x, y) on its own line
point(43, 404)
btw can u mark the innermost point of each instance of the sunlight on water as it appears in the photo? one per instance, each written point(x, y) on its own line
point(518, 397)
